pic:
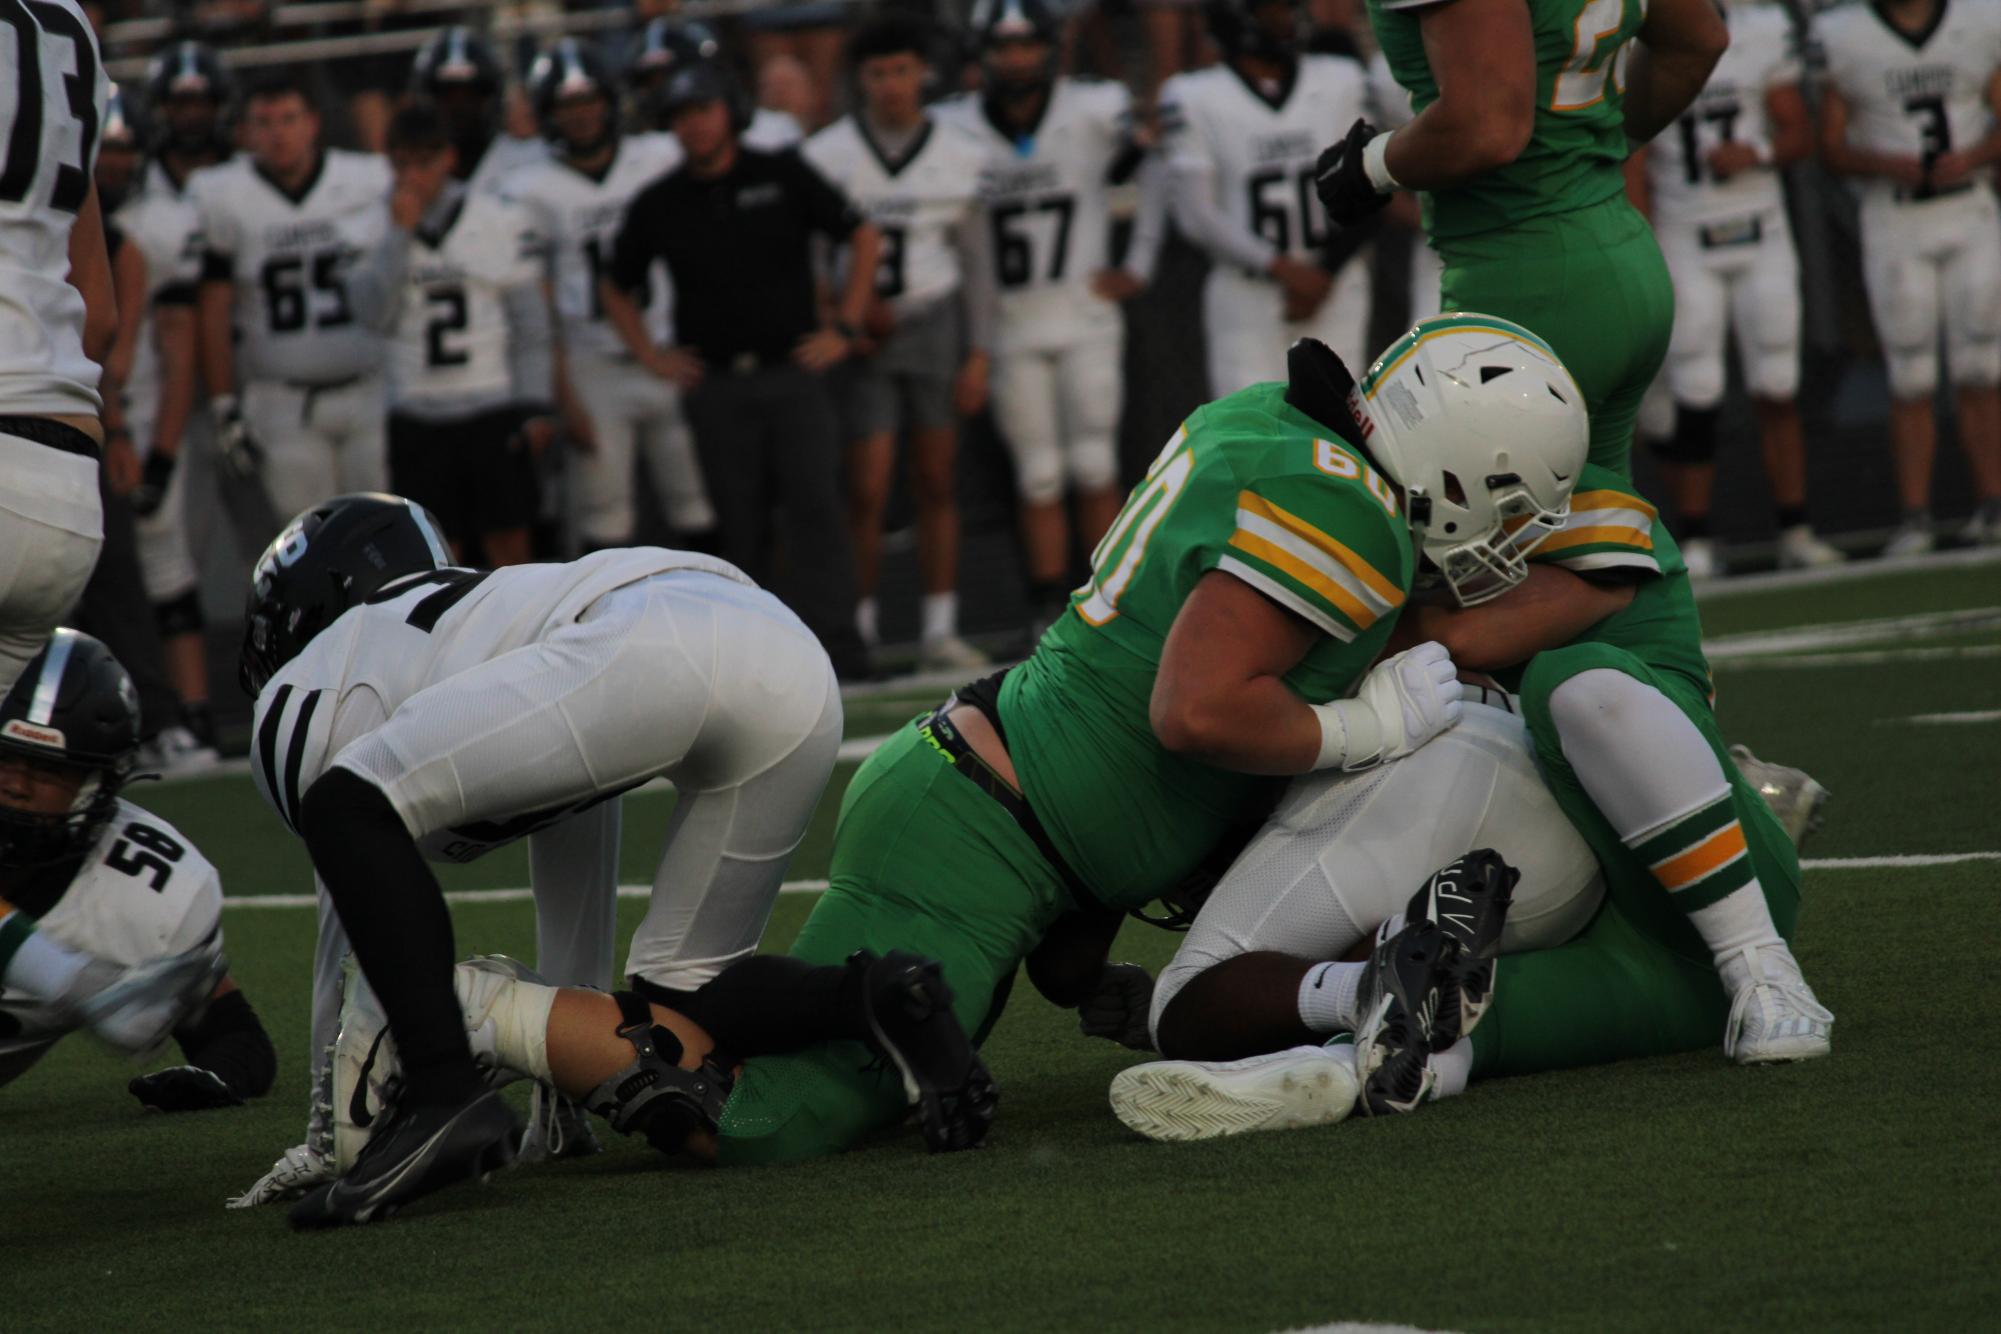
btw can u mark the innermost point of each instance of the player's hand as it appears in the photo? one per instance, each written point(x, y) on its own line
point(579, 429)
point(1343, 183)
point(1730, 157)
point(1951, 169)
point(1414, 696)
point(969, 387)
point(418, 184)
point(1306, 287)
point(1117, 284)
point(1909, 172)
point(535, 434)
point(121, 464)
point(676, 365)
point(239, 452)
point(182, 1088)
point(155, 474)
point(822, 349)
point(1118, 1006)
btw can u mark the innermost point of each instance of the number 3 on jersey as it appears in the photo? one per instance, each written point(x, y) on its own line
point(1124, 546)
point(1598, 50)
point(21, 155)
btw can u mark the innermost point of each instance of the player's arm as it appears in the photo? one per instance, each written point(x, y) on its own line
point(213, 300)
point(1839, 155)
point(90, 274)
point(1548, 609)
point(230, 1059)
point(982, 302)
point(1482, 53)
point(128, 286)
point(1070, 958)
point(1679, 44)
point(1791, 124)
point(1957, 167)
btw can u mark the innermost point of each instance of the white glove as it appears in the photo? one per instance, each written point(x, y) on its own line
point(1403, 702)
point(297, 1171)
point(236, 449)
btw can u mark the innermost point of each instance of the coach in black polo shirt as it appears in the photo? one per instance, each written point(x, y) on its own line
point(735, 227)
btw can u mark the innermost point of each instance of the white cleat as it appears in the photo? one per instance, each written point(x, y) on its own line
point(1775, 1017)
point(1800, 548)
point(1699, 555)
point(1190, 1100)
point(298, 1170)
point(1912, 538)
point(950, 653)
point(1795, 797)
point(557, 1128)
point(176, 751)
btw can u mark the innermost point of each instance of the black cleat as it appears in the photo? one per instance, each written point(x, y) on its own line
point(420, 1149)
point(1399, 997)
point(1468, 900)
point(909, 1010)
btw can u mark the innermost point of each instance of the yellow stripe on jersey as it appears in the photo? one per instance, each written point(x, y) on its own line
point(1307, 575)
point(1606, 499)
point(1609, 535)
point(1683, 869)
point(1374, 587)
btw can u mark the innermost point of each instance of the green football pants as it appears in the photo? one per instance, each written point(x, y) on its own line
point(923, 861)
point(1593, 285)
point(1637, 981)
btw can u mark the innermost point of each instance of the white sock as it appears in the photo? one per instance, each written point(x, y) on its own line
point(941, 616)
point(1733, 927)
point(1454, 1067)
point(514, 1032)
point(1327, 996)
point(865, 621)
point(42, 968)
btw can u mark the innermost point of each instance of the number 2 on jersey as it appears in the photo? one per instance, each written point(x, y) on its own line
point(1597, 52)
point(1134, 527)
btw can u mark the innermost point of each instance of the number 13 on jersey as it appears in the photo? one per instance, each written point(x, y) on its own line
point(1599, 45)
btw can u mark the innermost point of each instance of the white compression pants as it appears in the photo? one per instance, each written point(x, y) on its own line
point(51, 525)
point(1248, 333)
point(318, 443)
point(631, 409)
point(1750, 289)
point(1931, 263)
point(1058, 411)
point(1344, 852)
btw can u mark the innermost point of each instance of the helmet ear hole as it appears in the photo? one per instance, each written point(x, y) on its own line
point(1454, 492)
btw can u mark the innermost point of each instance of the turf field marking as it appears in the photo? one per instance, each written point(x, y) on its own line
point(1716, 590)
point(1895, 863)
point(1947, 719)
point(1860, 658)
point(1841, 634)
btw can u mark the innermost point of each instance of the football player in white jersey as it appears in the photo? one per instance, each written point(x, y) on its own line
point(1910, 112)
point(52, 329)
point(408, 709)
point(111, 919)
point(1241, 157)
point(471, 402)
point(663, 45)
point(457, 70)
point(1714, 195)
point(917, 178)
point(292, 303)
point(1057, 148)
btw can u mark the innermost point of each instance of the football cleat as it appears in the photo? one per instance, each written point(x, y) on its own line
point(298, 1170)
point(1912, 538)
point(908, 1007)
point(1775, 1017)
point(1190, 1100)
point(1800, 548)
point(1698, 556)
point(416, 1149)
point(557, 1128)
point(1467, 900)
point(1397, 1002)
point(1794, 796)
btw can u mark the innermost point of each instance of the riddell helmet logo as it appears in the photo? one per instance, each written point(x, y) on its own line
point(1360, 408)
point(38, 736)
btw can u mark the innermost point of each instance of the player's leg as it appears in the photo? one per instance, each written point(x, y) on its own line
point(356, 417)
point(1972, 281)
point(423, 466)
point(1766, 315)
point(167, 568)
point(46, 556)
point(300, 465)
point(1027, 410)
point(670, 457)
point(870, 417)
point(1691, 851)
point(1243, 320)
point(1702, 288)
point(573, 867)
point(1091, 380)
point(932, 420)
point(600, 478)
point(505, 490)
point(1903, 286)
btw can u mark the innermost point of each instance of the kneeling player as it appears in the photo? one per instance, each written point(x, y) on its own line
point(127, 939)
point(407, 709)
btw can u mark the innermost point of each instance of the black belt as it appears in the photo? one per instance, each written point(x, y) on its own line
point(937, 728)
point(47, 431)
point(1905, 196)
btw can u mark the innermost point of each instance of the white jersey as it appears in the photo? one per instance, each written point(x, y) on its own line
point(451, 337)
point(160, 219)
point(1389, 101)
point(919, 203)
point(52, 95)
point(1047, 194)
point(1916, 96)
point(428, 628)
point(1730, 108)
point(505, 156)
point(1257, 147)
point(288, 257)
point(143, 891)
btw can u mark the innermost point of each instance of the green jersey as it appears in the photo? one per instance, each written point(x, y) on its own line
point(1251, 486)
point(1575, 156)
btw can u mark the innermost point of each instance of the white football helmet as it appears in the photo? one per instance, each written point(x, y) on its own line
point(1477, 420)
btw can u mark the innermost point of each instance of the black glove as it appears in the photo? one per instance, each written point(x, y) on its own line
point(154, 474)
point(1342, 182)
point(182, 1088)
point(239, 451)
point(1117, 1009)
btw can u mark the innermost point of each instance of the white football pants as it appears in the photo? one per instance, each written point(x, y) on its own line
point(1249, 334)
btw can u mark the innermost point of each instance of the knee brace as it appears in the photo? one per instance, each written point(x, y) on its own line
point(654, 1097)
point(1694, 438)
point(180, 616)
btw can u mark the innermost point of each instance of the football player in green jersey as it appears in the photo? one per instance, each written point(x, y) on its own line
point(1524, 113)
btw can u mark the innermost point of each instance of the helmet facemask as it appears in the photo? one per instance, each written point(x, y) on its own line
point(1481, 568)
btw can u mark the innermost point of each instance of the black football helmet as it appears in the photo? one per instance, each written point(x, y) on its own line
point(122, 126)
point(695, 83)
point(569, 68)
point(1236, 26)
point(73, 708)
point(998, 21)
point(455, 57)
point(334, 556)
point(190, 70)
point(665, 43)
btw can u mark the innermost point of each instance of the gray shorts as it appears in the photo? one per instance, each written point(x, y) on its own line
point(907, 384)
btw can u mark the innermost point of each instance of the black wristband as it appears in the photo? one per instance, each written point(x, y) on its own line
point(157, 469)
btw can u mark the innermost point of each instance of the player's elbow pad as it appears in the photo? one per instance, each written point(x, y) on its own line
point(229, 1042)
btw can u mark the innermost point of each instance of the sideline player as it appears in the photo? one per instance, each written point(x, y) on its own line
point(407, 709)
point(290, 298)
point(664, 45)
point(1525, 110)
point(457, 70)
point(110, 919)
point(53, 329)
point(930, 325)
point(1242, 138)
point(1912, 112)
point(1717, 207)
point(471, 399)
point(1057, 148)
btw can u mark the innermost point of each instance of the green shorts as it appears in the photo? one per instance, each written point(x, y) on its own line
point(1593, 285)
point(1637, 981)
point(923, 861)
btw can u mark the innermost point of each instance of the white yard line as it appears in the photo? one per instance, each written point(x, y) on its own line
point(1838, 634)
point(1859, 658)
point(1946, 719)
point(1718, 590)
point(1895, 863)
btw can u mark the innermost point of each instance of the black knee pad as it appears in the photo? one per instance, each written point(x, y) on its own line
point(181, 616)
point(1694, 438)
point(654, 1097)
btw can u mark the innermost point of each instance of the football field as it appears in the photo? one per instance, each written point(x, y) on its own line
point(1673, 1194)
